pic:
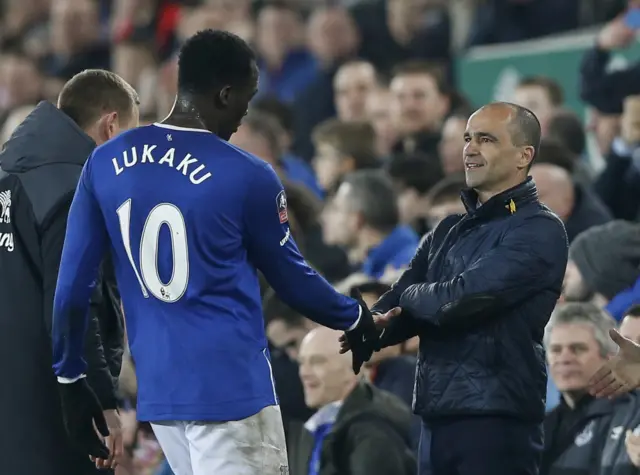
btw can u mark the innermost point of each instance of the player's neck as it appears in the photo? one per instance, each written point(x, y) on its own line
point(185, 114)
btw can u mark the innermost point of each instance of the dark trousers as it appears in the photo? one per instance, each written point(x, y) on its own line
point(480, 446)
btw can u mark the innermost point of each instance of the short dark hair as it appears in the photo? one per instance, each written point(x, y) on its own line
point(553, 152)
point(419, 67)
point(417, 171)
point(278, 109)
point(93, 92)
point(447, 190)
point(565, 126)
point(275, 309)
point(268, 127)
point(213, 59)
point(633, 311)
point(554, 90)
point(372, 194)
point(526, 128)
point(351, 139)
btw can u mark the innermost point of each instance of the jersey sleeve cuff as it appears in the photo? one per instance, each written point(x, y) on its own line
point(62, 380)
point(352, 327)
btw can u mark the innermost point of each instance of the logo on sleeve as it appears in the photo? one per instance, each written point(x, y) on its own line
point(281, 201)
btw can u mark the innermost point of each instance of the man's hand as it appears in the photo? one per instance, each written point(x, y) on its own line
point(615, 35)
point(114, 441)
point(621, 373)
point(632, 444)
point(381, 322)
point(81, 410)
point(364, 339)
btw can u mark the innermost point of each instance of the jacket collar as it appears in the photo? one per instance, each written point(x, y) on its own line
point(503, 204)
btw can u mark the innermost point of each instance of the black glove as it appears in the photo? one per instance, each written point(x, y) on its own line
point(364, 339)
point(81, 408)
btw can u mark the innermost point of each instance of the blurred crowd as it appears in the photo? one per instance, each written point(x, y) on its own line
point(359, 113)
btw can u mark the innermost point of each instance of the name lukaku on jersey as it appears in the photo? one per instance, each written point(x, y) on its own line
point(187, 165)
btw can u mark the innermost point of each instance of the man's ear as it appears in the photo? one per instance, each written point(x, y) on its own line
point(108, 126)
point(526, 157)
point(224, 97)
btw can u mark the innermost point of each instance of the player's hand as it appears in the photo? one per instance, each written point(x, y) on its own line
point(632, 444)
point(114, 441)
point(365, 338)
point(381, 320)
point(621, 373)
point(81, 410)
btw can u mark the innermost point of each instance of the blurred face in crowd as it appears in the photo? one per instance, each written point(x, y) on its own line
point(340, 223)
point(287, 337)
point(332, 35)
point(574, 288)
point(330, 165)
point(278, 31)
point(254, 143)
point(438, 212)
point(451, 147)
point(574, 356)
point(537, 100)
point(20, 82)
point(604, 127)
point(379, 115)
point(74, 25)
point(492, 162)
point(417, 103)
point(630, 121)
point(555, 188)
point(326, 374)
point(352, 85)
point(630, 328)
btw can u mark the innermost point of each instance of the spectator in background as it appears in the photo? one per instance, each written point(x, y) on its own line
point(619, 182)
point(541, 95)
point(603, 261)
point(333, 38)
point(363, 219)
point(419, 107)
point(413, 177)
point(584, 435)
point(400, 30)
point(286, 66)
point(379, 115)
point(294, 167)
point(15, 118)
point(444, 199)
point(566, 129)
point(21, 83)
point(357, 429)
point(341, 148)
point(353, 83)
point(577, 206)
point(451, 146)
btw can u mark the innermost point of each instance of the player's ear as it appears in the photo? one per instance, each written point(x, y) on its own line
point(108, 126)
point(223, 97)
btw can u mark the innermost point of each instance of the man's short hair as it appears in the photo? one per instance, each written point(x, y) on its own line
point(212, 59)
point(419, 67)
point(94, 92)
point(267, 127)
point(416, 171)
point(278, 109)
point(351, 139)
point(585, 313)
point(447, 190)
point(566, 127)
point(555, 153)
point(554, 90)
point(525, 128)
point(372, 194)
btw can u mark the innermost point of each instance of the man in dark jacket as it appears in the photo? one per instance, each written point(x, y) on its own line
point(39, 169)
point(357, 429)
point(479, 293)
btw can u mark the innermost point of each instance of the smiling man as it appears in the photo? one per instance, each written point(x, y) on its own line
point(479, 293)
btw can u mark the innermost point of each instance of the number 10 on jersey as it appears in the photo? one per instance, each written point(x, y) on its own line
point(148, 276)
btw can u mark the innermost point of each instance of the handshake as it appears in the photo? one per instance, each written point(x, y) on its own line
point(365, 338)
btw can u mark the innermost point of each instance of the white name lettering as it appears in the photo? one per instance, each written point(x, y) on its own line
point(6, 241)
point(188, 165)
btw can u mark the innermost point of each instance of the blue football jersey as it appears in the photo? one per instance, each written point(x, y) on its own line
point(189, 219)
